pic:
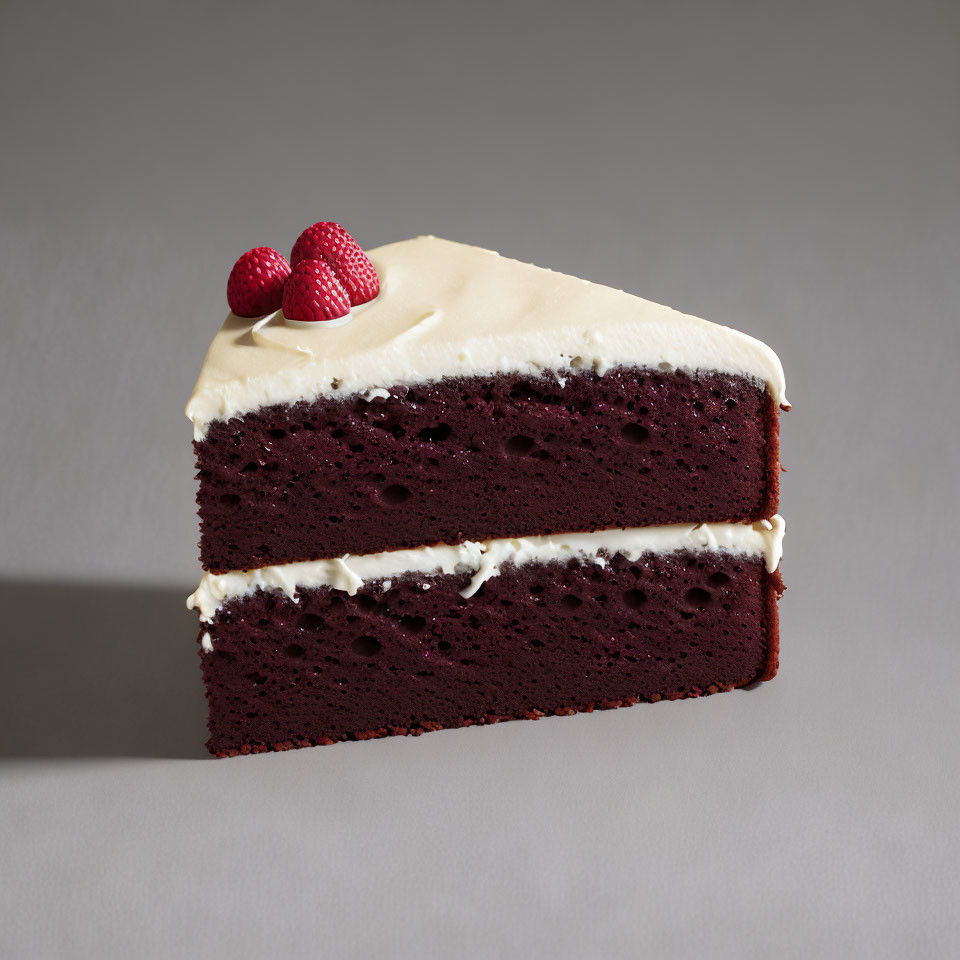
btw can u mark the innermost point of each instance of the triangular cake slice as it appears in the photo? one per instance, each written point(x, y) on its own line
point(489, 492)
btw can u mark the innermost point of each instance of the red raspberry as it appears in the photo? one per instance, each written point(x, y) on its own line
point(314, 293)
point(256, 281)
point(329, 241)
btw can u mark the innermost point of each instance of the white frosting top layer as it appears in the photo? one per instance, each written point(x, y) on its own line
point(484, 560)
point(450, 310)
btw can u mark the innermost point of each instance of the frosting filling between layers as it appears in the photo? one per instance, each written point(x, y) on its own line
point(451, 310)
point(484, 560)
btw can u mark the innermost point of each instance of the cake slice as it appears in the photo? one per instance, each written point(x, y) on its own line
point(442, 488)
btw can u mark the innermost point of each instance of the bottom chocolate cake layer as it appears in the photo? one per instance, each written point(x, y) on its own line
point(410, 655)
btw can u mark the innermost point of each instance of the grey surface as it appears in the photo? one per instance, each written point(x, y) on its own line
point(791, 169)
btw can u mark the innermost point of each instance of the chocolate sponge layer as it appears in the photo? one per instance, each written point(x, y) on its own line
point(538, 639)
point(481, 458)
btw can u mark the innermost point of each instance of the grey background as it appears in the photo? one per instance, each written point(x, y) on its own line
point(792, 169)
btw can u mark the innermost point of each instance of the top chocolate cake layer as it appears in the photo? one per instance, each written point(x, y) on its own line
point(473, 459)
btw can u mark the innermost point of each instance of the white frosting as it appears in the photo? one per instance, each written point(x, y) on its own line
point(450, 310)
point(484, 560)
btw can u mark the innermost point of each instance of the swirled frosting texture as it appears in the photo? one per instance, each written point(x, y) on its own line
point(447, 309)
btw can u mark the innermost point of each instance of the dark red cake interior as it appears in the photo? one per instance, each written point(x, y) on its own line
point(484, 458)
point(538, 639)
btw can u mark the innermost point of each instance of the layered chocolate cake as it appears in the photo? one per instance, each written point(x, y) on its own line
point(439, 487)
